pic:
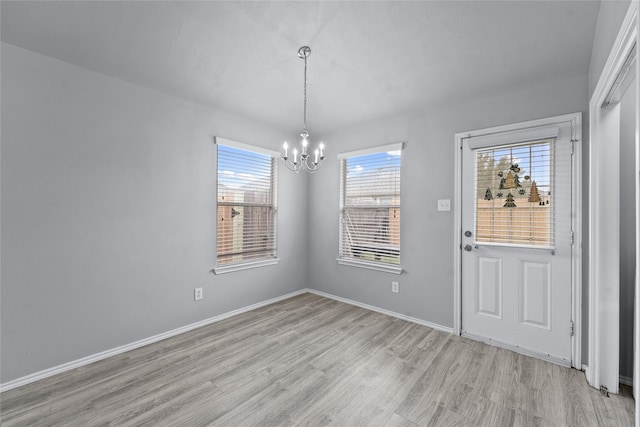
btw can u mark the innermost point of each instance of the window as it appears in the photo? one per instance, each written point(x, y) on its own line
point(514, 198)
point(246, 207)
point(370, 208)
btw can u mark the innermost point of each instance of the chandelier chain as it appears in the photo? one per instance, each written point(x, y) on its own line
point(305, 94)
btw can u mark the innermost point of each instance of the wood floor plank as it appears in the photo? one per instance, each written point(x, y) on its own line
point(397, 421)
point(310, 360)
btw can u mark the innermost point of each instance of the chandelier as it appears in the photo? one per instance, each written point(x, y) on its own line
point(301, 158)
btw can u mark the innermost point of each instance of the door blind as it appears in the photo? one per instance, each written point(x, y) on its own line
point(245, 206)
point(370, 202)
point(514, 194)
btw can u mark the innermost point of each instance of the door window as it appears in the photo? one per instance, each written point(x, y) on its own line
point(514, 194)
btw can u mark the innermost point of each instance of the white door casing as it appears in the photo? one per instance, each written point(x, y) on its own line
point(604, 209)
point(522, 295)
point(636, 344)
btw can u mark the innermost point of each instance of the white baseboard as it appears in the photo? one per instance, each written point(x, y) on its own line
point(146, 341)
point(626, 380)
point(383, 311)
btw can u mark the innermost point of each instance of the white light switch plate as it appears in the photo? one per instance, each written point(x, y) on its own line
point(444, 205)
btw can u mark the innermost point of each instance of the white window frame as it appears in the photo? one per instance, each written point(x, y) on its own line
point(372, 265)
point(221, 269)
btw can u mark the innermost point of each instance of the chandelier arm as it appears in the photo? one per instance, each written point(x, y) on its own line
point(289, 164)
point(311, 167)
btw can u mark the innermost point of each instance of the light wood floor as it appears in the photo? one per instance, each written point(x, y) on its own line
point(313, 361)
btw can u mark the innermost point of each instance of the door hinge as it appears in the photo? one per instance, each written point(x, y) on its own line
point(573, 146)
point(573, 237)
point(571, 328)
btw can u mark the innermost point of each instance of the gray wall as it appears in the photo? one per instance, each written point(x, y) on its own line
point(628, 117)
point(426, 287)
point(108, 214)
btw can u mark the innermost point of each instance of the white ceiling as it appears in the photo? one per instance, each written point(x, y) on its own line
point(369, 60)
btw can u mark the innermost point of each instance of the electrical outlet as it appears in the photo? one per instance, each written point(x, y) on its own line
point(197, 294)
point(394, 287)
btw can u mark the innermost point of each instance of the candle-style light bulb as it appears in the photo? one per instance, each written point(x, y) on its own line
point(317, 152)
point(286, 147)
point(321, 146)
point(295, 156)
point(304, 145)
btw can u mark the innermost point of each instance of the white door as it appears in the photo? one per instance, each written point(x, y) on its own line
point(517, 240)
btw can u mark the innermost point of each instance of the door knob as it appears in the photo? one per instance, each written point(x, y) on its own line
point(468, 233)
point(468, 248)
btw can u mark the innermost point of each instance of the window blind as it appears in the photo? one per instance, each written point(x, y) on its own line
point(514, 194)
point(246, 214)
point(370, 205)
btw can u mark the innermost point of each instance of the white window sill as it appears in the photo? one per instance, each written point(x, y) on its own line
point(244, 266)
point(387, 268)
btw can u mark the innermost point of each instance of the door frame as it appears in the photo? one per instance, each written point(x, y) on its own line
point(575, 120)
point(604, 213)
